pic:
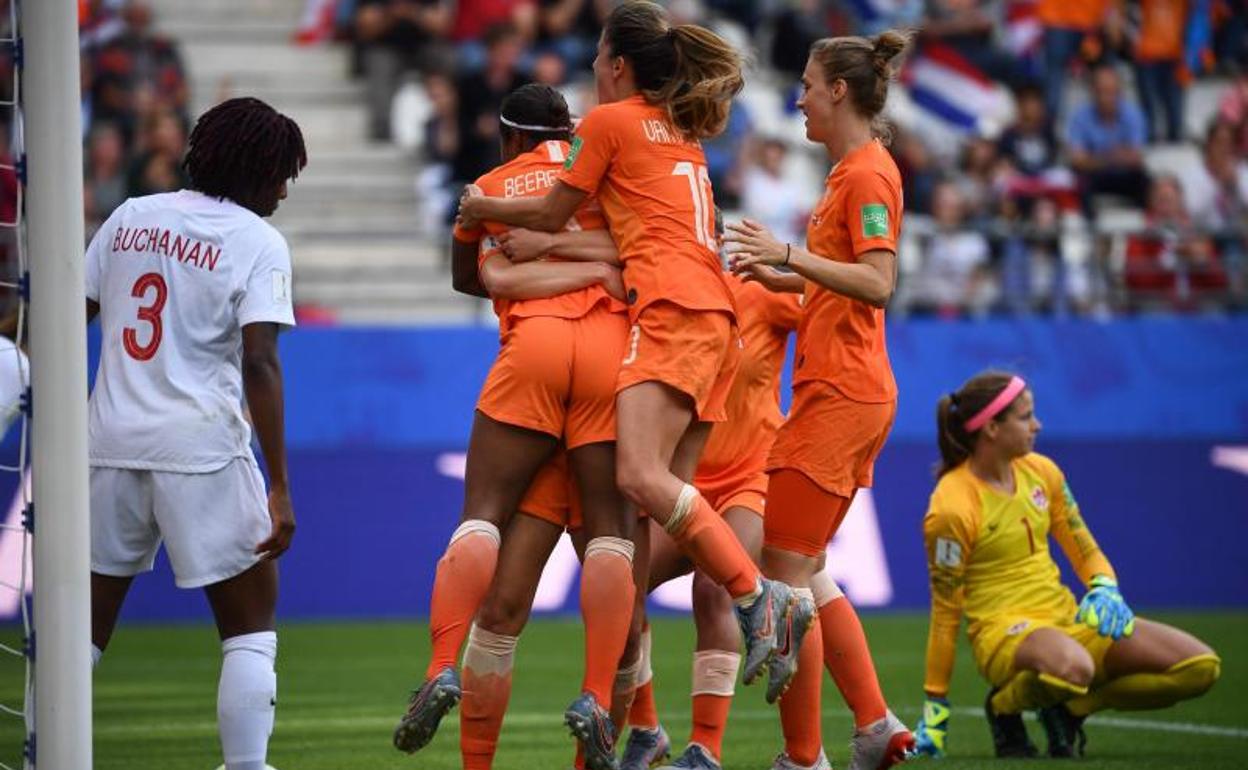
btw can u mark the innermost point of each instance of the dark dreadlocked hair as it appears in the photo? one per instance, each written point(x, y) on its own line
point(244, 150)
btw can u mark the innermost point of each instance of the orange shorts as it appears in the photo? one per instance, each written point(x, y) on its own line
point(557, 376)
point(743, 485)
point(695, 351)
point(831, 439)
point(801, 516)
point(553, 496)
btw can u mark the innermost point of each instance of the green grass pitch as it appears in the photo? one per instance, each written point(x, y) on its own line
point(343, 685)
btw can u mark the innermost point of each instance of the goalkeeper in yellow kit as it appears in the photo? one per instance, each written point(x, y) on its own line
point(987, 534)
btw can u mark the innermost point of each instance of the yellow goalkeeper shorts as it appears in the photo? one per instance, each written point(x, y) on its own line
point(996, 641)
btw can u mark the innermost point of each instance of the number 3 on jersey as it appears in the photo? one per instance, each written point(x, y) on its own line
point(703, 201)
point(149, 313)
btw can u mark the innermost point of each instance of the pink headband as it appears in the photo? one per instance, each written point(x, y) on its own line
point(997, 405)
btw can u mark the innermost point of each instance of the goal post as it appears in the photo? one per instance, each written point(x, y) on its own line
point(62, 600)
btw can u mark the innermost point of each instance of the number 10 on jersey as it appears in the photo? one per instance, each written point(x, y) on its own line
point(703, 201)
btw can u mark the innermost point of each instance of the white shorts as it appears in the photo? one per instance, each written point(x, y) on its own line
point(210, 522)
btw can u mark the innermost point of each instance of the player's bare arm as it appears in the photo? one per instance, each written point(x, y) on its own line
point(871, 279)
point(465, 278)
point(521, 245)
point(549, 213)
point(262, 383)
point(537, 280)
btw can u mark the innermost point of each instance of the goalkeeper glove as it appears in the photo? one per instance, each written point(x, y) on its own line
point(1104, 609)
point(933, 729)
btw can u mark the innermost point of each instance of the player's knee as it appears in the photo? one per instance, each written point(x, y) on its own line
point(1195, 676)
point(632, 478)
point(503, 615)
point(1075, 666)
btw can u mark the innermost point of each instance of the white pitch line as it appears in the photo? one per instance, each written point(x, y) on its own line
point(527, 720)
point(1154, 725)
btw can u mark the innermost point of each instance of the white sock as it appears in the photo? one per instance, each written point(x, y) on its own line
point(247, 699)
point(747, 601)
point(96, 654)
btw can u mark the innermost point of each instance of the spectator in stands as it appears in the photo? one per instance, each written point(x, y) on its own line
point(1159, 75)
point(981, 180)
point(796, 28)
point(474, 19)
point(440, 145)
point(770, 196)
point(967, 26)
point(570, 29)
point(1172, 262)
point(1105, 139)
point(1216, 190)
point(919, 171)
point(480, 93)
point(1233, 106)
point(147, 67)
point(1030, 145)
point(397, 36)
point(1069, 26)
point(158, 166)
point(954, 276)
point(105, 185)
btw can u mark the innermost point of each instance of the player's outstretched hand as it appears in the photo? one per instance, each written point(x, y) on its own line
point(750, 244)
point(1104, 609)
point(933, 729)
point(283, 516)
point(521, 245)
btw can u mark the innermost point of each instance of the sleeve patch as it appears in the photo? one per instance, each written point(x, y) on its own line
point(573, 153)
point(281, 287)
point(948, 552)
point(874, 220)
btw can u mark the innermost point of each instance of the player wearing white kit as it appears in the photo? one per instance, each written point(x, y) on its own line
point(191, 288)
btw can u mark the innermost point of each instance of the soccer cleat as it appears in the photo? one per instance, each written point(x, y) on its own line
point(783, 664)
point(783, 762)
point(694, 758)
point(761, 625)
point(592, 726)
point(1009, 734)
point(1064, 731)
point(883, 743)
point(645, 748)
point(425, 710)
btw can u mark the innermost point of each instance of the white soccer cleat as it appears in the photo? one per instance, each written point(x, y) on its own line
point(784, 763)
point(881, 745)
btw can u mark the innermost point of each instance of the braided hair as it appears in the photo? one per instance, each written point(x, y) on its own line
point(245, 150)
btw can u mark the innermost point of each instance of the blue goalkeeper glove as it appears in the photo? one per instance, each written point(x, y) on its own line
point(1104, 609)
point(933, 729)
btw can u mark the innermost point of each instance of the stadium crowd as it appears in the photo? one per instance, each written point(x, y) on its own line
point(1127, 192)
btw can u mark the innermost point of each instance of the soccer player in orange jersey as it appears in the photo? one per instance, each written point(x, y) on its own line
point(986, 533)
point(844, 396)
point(732, 476)
point(663, 89)
point(562, 336)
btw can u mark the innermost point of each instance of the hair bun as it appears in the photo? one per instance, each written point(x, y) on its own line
point(886, 46)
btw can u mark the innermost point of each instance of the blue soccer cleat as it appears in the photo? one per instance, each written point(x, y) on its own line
point(592, 726)
point(425, 710)
point(645, 748)
point(694, 758)
point(762, 625)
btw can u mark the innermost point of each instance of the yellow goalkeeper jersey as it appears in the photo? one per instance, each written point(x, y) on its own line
point(988, 555)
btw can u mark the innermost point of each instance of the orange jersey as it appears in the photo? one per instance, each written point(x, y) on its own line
point(765, 319)
point(656, 194)
point(531, 174)
point(1085, 15)
point(1162, 25)
point(840, 340)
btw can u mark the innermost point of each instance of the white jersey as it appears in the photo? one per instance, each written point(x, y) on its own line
point(177, 276)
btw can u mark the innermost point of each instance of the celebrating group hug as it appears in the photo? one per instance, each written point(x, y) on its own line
point(634, 403)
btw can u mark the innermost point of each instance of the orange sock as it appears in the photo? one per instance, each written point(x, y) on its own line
point(800, 706)
point(708, 540)
point(487, 688)
point(848, 659)
point(644, 714)
point(607, 593)
point(710, 717)
point(714, 679)
point(463, 576)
